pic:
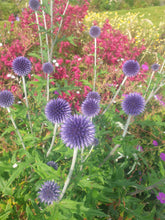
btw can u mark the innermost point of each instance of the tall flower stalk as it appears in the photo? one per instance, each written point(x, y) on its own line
point(15, 126)
point(75, 152)
point(27, 104)
point(53, 139)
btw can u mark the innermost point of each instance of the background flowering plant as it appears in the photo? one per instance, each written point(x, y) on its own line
point(109, 177)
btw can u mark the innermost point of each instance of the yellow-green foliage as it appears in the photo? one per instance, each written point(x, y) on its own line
point(136, 26)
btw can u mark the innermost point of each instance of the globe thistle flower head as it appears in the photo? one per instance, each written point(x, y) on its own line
point(49, 192)
point(6, 99)
point(90, 108)
point(57, 110)
point(94, 95)
point(47, 68)
point(53, 164)
point(95, 31)
point(155, 67)
point(162, 156)
point(133, 104)
point(34, 5)
point(21, 66)
point(77, 131)
point(131, 68)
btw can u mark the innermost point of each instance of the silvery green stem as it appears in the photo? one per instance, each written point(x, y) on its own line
point(94, 80)
point(39, 36)
point(88, 154)
point(52, 46)
point(82, 152)
point(162, 66)
point(15, 126)
point(149, 84)
point(51, 20)
point(47, 87)
point(27, 105)
point(118, 145)
point(45, 25)
point(70, 173)
point(117, 92)
point(53, 138)
point(154, 92)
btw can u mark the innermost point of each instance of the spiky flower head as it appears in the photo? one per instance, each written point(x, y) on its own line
point(95, 31)
point(131, 68)
point(49, 192)
point(155, 67)
point(94, 95)
point(133, 104)
point(53, 164)
point(90, 108)
point(47, 68)
point(57, 110)
point(77, 131)
point(6, 99)
point(21, 66)
point(34, 5)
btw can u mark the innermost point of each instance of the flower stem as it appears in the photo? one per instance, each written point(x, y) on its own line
point(94, 81)
point(53, 138)
point(47, 86)
point(118, 145)
point(27, 105)
point(149, 84)
point(52, 46)
point(15, 126)
point(88, 154)
point(70, 173)
point(117, 92)
point(39, 36)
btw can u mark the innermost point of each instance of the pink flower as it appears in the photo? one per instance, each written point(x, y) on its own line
point(145, 67)
point(155, 143)
point(161, 197)
point(162, 156)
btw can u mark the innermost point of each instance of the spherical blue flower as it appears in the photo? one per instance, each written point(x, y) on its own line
point(95, 31)
point(34, 4)
point(133, 104)
point(6, 99)
point(155, 67)
point(90, 108)
point(57, 110)
point(77, 131)
point(53, 164)
point(131, 68)
point(49, 192)
point(21, 66)
point(47, 68)
point(94, 95)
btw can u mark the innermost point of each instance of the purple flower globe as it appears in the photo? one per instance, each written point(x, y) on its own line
point(47, 68)
point(21, 66)
point(95, 31)
point(49, 192)
point(133, 104)
point(94, 95)
point(90, 108)
point(34, 4)
point(57, 110)
point(6, 99)
point(53, 164)
point(77, 131)
point(155, 67)
point(161, 197)
point(131, 68)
